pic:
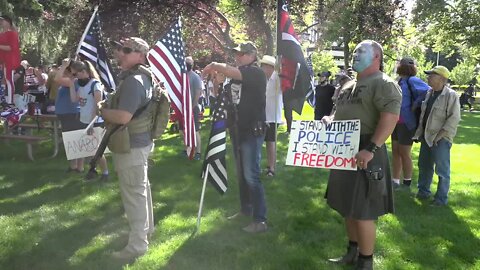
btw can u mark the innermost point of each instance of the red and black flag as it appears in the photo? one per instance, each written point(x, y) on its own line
point(294, 74)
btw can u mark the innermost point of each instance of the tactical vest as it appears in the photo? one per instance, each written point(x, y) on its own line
point(151, 117)
point(143, 122)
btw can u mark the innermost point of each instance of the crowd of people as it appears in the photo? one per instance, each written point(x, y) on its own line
point(408, 110)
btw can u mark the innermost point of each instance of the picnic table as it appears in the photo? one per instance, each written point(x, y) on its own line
point(40, 122)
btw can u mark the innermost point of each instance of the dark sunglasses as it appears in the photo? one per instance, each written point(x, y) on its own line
point(127, 50)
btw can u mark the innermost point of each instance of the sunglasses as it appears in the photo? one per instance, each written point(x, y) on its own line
point(127, 50)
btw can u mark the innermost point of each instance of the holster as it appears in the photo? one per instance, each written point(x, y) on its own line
point(259, 128)
point(375, 177)
point(120, 141)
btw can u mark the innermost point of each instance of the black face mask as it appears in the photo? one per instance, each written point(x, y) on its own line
point(83, 82)
point(189, 66)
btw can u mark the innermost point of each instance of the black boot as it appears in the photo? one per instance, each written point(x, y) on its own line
point(364, 264)
point(349, 258)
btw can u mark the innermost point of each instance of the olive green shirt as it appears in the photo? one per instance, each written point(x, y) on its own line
point(366, 98)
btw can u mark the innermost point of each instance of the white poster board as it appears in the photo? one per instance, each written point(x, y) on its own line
point(318, 145)
point(78, 144)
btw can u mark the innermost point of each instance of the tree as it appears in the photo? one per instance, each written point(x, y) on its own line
point(350, 22)
point(447, 24)
point(323, 61)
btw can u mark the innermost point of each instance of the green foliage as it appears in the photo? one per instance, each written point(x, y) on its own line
point(449, 23)
point(350, 22)
point(463, 73)
point(324, 61)
point(406, 44)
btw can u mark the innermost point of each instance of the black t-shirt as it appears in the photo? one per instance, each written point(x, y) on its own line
point(19, 83)
point(430, 102)
point(323, 100)
point(249, 95)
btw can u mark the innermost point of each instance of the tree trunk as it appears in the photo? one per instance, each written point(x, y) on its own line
point(346, 49)
point(259, 20)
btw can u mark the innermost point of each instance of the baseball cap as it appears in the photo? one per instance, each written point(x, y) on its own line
point(440, 70)
point(324, 74)
point(7, 18)
point(137, 44)
point(268, 60)
point(407, 61)
point(189, 60)
point(246, 47)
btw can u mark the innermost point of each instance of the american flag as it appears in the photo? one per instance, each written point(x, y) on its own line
point(92, 49)
point(216, 149)
point(167, 62)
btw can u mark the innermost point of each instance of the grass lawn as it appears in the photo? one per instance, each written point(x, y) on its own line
point(53, 220)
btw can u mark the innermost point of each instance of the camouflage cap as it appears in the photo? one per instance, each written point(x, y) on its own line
point(245, 47)
point(137, 44)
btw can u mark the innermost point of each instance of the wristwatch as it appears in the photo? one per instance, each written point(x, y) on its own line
point(371, 147)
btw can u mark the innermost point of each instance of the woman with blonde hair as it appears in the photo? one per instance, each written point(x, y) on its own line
point(90, 92)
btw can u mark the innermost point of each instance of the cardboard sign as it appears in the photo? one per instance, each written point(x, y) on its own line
point(318, 145)
point(78, 144)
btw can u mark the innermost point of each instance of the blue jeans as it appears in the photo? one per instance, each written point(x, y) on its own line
point(438, 155)
point(252, 194)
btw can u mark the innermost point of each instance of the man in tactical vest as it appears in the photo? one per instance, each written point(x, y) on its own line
point(132, 143)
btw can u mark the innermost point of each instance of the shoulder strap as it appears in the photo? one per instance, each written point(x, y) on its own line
point(410, 89)
point(92, 86)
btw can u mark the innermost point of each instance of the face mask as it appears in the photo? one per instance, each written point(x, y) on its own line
point(189, 66)
point(362, 57)
point(83, 82)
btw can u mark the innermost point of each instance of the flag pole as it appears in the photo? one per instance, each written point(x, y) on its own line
point(95, 10)
point(200, 207)
point(278, 82)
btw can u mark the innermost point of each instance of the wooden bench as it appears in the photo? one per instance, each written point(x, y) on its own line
point(34, 126)
point(30, 140)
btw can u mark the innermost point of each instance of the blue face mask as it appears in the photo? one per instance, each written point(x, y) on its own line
point(362, 57)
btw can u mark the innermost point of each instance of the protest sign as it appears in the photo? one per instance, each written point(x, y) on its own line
point(318, 145)
point(78, 144)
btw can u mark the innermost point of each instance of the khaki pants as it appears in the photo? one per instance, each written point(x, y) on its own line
point(132, 170)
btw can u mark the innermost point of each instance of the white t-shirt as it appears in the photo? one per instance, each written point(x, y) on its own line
point(87, 101)
point(42, 87)
point(272, 84)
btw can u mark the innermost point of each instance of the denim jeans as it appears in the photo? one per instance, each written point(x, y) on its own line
point(252, 194)
point(438, 155)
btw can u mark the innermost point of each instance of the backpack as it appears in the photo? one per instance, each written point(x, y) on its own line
point(160, 103)
point(418, 111)
point(92, 89)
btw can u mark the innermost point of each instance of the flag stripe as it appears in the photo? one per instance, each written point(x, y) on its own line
point(216, 149)
point(92, 48)
point(217, 180)
point(167, 61)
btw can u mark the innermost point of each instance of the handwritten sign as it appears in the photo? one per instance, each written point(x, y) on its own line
point(78, 144)
point(318, 145)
